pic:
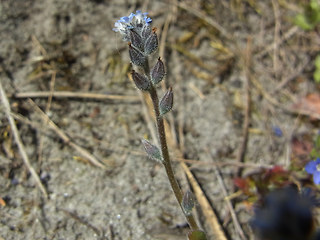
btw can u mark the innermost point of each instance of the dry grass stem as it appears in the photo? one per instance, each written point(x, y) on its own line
point(205, 18)
point(292, 31)
point(277, 27)
point(65, 138)
point(246, 122)
point(79, 219)
point(78, 95)
point(17, 138)
point(297, 71)
point(48, 106)
point(196, 163)
point(211, 217)
point(234, 217)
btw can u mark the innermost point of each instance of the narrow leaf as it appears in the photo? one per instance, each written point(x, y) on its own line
point(151, 43)
point(157, 72)
point(136, 56)
point(136, 40)
point(141, 81)
point(152, 151)
point(188, 203)
point(166, 102)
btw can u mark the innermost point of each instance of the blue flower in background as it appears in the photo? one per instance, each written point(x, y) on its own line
point(137, 21)
point(313, 168)
point(285, 214)
point(277, 131)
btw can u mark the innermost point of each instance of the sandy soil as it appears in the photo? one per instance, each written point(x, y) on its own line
point(214, 52)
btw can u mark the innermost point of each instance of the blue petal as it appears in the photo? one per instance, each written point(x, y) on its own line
point(147, 19)
point(124, 19)
point(316, 177)
point(318, 160)
point(131, 16)
point(311, 167)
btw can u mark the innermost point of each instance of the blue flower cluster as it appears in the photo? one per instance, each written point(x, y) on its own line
point(136, 21)
point(143, 41)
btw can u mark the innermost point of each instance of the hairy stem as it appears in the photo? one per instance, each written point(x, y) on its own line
point(164, 149)
point(166, 159)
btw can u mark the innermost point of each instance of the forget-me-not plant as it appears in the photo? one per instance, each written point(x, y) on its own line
point(143, 41)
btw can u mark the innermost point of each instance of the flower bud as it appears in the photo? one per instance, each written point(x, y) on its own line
point(137, 57)
point(157, 72)
point(151, 44)
point(166, 102)
point(152, 151)
point(136, 40)
point(188, 203)
point(141, 81)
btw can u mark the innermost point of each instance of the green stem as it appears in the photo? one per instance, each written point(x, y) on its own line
point(164, 149)
point(166, 159)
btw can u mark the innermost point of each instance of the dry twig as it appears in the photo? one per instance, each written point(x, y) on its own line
point(245, 132)
point(292, 31)
point(17, 138)
point(277, 26)
point(81, 95)
point(81, 220)
point(66, 139)
point(223, 164)
point(40, 145)
point(293, 75)
point(205, 18)
point(236, 223)
point(209, 214)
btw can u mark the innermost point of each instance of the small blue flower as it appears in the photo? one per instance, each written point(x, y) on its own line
point(313, 168)
point(136, 21)
point(277, 131)
point(142, 17)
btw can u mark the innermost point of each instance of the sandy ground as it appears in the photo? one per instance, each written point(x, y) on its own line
point(216, 54)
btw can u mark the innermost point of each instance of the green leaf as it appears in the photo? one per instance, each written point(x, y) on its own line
point(313, 153)
point(302, 22)
point(317, 62)
point(317, 143)
point(166, 102)
point(315, 7)
point(316, 76)
point(197, 235)
point(153, 151)
point(310, 17)
point(188, 202)
point(157, 73)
